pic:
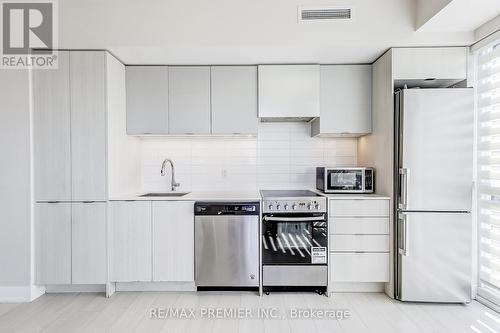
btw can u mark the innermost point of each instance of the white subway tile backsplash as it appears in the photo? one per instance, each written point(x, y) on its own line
point(283, 155)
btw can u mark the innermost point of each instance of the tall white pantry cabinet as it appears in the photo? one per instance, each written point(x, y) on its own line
point(70, 125)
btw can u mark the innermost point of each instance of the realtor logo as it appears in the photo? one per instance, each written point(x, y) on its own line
point(29, 34)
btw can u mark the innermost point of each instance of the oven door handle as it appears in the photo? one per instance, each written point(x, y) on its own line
point(295, 219)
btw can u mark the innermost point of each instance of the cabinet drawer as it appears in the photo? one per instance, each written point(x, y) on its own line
point(359, 267)
point(370, 243)
point(359, 225)
point(359, 207)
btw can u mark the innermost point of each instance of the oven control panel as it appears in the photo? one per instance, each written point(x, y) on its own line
point(303, 205)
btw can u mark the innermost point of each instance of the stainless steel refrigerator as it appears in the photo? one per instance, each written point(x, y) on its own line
point(433, 184)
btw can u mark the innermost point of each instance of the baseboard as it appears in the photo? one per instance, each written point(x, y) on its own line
point(20, 294)
point(155, 286)
point(37, 291)
point(354, 287)
point(110, 289)
point(75, 288)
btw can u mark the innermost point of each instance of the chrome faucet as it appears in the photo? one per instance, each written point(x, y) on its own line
point(163, 172)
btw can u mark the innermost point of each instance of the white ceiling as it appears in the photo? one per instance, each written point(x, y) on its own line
point(242, 31)
point(462, 15)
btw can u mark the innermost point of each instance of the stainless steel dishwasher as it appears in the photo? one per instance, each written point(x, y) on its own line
point(226, 244)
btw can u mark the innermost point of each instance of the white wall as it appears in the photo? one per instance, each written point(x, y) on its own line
point(487, 33)
point(15, 183)
point(283, 155)
point(426, 9)
point(123, 150)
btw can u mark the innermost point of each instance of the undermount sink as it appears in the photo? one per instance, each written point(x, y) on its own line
point(165, 194)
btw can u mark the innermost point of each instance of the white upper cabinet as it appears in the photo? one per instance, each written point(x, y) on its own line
point(189, 100)
point(88, 125)
point(173, 240)
point(345, 102)
point(289, 91)
point(147, 99)
point(234, 99)
point(51, 117)
point(444, 63)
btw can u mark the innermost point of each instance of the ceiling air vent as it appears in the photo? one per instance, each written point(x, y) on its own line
point(315, 14)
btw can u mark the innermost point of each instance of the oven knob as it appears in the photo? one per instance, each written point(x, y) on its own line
point(310, 206)
point(286, 206)
point(317, 206)
point(270, 206)
point(294, 206)
point(278, 206)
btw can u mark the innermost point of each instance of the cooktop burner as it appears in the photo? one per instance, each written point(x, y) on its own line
point(289, 194)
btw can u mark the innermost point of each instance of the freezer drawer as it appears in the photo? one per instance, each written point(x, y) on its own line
point(366, 243)
point(435, 257)
point(227, 251)
point(359, 267)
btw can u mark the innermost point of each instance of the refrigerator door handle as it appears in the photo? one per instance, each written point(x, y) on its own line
point(403, 248)
point(403, 181)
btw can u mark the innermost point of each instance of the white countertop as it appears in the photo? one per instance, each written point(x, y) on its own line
point(233, 196)
point(355, 196)
point(195, 196)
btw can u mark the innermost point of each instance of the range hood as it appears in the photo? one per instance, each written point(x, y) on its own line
point(289, 92)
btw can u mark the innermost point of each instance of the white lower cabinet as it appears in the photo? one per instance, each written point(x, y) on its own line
point(53, 243)
point(131, 240)
point(173, 240)
point(70, 243)
point(88, 243)
point(359, 267)
point(152, 241)
point(359, 240)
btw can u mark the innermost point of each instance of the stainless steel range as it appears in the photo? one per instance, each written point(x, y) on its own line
point(294, 241)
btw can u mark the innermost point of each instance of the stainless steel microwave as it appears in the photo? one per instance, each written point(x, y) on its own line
point(345, 180)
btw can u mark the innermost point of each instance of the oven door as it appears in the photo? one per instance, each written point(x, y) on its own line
point(298, 239)
point(345, 180)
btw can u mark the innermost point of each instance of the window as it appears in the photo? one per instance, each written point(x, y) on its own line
point(488, 170)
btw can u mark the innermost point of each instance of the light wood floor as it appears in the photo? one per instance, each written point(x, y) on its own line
point(130, 312)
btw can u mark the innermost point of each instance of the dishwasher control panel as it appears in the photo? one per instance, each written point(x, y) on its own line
point(227, 208)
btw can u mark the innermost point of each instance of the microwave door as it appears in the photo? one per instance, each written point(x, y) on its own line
point(345, 180)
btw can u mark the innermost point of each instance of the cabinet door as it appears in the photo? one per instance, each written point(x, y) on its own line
point(359, 267)
point(346, 99)
point(131, 240)
point(189, 100)
point(88, 125)
point(289, 91)
point(147, 99)
point(88, 243)
point(234, 99)
point(430, 62)
point(53, 243)
point(51, 120)
point(173, 241)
